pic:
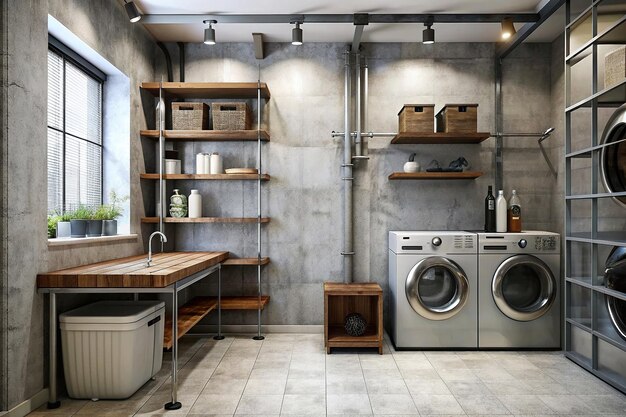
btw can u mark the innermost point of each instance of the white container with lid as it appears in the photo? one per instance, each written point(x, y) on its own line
point(111, 348)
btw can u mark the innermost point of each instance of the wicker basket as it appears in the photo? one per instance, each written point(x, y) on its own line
point(190, 116)
point(615, 67)
point(231, 116)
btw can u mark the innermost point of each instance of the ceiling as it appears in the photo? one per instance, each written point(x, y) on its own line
point(341, 32)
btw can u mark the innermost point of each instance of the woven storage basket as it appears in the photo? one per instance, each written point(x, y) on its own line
point(190, 116)
point(615, 67)
point(417, 118)
point(231, 116)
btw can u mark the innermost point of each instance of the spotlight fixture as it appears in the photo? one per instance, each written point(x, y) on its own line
point(132, 11)
point(296, 35)
point(209, 33)
point(428, 34)
point(508, 29)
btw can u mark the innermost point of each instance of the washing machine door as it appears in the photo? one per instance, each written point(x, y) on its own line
point(523, 288)
point(613, 157)
point(437, 288)
point(615, 279)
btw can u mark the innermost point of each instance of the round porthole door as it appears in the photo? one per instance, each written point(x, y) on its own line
point(523, 288)
point(437, 288)
point(613, 156)
point(615, 279)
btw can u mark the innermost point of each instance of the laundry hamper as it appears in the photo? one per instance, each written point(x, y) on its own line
point(111, 348)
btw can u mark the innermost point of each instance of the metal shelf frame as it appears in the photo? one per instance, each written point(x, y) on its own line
point(610, 97)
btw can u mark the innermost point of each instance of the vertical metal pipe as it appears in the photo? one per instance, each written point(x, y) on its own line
point(174, 404)
point(365, 100)
point(258, 224)
point(53, 402)
point(358, 149)
point(219, 304)
point(161, 147)
point(347, 178)
point(499, 126)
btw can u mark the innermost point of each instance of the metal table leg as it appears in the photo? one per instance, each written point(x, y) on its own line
point(174, 404)
point(219, 305)
point(53, 402)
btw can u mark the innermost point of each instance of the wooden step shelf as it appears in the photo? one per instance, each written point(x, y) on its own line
point(467, 175)
point(205, 220)
point(435, 138)
point(208, 135)
point(226, 177)
point(188, 316)
point(243, 302)
point(208, 90)
point(245, 261)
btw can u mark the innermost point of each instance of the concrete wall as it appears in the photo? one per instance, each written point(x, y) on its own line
point(3, 217)
point(104, 26)
point(304, 196)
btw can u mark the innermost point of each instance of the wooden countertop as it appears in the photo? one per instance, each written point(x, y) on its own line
point(131, 272)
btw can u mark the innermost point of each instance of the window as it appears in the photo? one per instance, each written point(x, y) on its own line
point(74, 131)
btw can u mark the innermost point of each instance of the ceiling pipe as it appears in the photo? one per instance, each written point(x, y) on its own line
point(181, 61)
point(168, 61)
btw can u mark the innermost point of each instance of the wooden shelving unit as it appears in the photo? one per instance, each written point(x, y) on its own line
point(246, 261)
point(214, 177)
point(205, 220)
point(467, 175)
point(209, 135)
point(188, 316)
point(207, 90)
point(436, 138)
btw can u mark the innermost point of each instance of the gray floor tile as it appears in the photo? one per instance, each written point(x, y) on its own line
point(224, 385)
point(259, 404)
point(392, 404)
point(437, 404)
point(215, 404)
point(299, 404)
point(566, 404)
point(605, 404)
point(348, 404)
point(525, 404)
point(468, 388)
point(305, 386)
point(427, 386)
point(345, 385)
point(265, 386)
point(386, 386)
point(481, 404)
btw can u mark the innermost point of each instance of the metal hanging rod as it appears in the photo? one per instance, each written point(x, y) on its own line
point(366, 134)
point(356, 18)
point(542, 136)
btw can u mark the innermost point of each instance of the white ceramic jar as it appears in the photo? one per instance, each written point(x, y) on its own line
point(207, 163)
point(216, 163)
point(195, 204)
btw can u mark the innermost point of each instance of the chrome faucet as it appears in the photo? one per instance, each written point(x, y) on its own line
point(163, 239)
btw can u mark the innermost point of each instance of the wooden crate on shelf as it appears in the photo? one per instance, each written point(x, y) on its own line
point(458, 118)
point(340, 300)
point(417, 118)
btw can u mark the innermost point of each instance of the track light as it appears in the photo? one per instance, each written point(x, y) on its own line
point(428, 34)
point(209, 33)
point(296, 35)
point(132, 11)
point(508, 29)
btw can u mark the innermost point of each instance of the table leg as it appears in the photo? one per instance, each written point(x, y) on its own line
point(219, 305)
point(174, 404)
point(53, 401)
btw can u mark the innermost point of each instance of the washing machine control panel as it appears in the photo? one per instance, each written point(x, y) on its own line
point(522, 243)
point(432, 242)
point(545, 243)
point(525, 242)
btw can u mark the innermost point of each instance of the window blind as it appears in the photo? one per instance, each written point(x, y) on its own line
point(74, 135)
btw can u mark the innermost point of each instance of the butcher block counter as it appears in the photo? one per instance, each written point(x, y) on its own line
point(167, 268)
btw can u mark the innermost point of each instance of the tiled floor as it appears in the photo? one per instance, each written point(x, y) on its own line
point(289, 374)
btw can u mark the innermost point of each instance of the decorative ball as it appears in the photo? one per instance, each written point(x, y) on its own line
point(355, 324)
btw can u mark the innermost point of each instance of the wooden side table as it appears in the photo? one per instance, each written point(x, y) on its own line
point(341, 299)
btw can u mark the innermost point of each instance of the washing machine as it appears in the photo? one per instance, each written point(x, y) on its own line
point(433, 290)
point(519, 294)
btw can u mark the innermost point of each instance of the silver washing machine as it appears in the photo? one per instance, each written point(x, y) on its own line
point(433, 285)
point(519, 296)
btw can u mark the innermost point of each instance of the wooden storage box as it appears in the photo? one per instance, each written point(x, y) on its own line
point(231, 116)
point(190, 116)
point(615, 67)
point(418, 118)
point(458, 118)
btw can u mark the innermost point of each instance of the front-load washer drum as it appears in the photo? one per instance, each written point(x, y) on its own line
point(523, 288)
point(613, 156)
point(437, 288)
point(615, 279)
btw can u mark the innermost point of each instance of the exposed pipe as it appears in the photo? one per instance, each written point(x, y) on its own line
point(365, 100)
point(365, 134)
point(358, 148)
point(347, 178)
point(181, 61)
point(168, 61)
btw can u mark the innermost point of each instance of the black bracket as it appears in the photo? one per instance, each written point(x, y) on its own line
point(361, 19)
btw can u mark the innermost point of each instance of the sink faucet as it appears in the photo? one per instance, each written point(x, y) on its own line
point(163, 239)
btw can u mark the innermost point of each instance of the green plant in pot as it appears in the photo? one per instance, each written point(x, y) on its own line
point(53, 220)
point(79, 219)
point(63, 225)
point(111, 212)
point(94, 223)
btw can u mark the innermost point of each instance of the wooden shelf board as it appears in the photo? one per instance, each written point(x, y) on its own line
point(205, 220)
point(245, 261)
point(468, 175)
point(188, 316)
point(208, 90)
point(208, 135)
point(439, 138)
point(243, 302)
point(151, 176)
point(337, 337)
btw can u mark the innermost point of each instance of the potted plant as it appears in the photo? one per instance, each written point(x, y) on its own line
point(63, 226)
point(78, 222)
point(112, 211)
point(53, 220)
point(94, 223)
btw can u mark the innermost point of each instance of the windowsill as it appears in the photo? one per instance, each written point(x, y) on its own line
point(77, 241)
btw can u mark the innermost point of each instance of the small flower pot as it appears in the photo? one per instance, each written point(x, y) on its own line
point(94, 228)
point(64, 229)
point(109, 228)
point(78, 228)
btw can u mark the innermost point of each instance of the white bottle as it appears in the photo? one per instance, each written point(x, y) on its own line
point(200, 169)
point(207, 163)
point(501, 212)
point(195, 204)
point(216, 163)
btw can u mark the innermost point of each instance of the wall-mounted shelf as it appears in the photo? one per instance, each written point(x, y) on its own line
point(209, 135)
point(205, 220)
point(468, 175)
point(188, 316)
point(244, 302)
point(208, 90)
point(214, 177)
point(439, 138)
point(245, 261)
